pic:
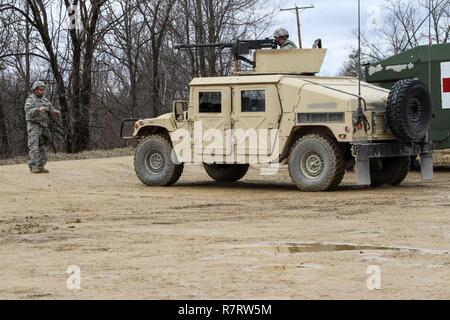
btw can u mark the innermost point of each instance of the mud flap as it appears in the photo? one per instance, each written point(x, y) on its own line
point(363, 172)
point(426, 166)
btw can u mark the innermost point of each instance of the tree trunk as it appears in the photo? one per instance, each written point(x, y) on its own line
point(200, 31)
point(5, 150)
point(211, 38)
point(83, 137)
point(155, 101)
point(76, 89)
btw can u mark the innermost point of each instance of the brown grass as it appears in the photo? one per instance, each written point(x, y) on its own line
point(92, 154)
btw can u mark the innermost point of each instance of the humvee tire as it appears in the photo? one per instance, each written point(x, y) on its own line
point(403, 170)
point(316, 163)
point(388, 171)
point(409, 110)
point(226, 172)
point(153, 162)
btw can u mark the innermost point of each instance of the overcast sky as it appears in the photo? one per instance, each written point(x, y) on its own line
point(334, 22)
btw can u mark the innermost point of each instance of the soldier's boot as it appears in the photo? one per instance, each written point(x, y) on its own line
point(43, 170)
point(35, 170)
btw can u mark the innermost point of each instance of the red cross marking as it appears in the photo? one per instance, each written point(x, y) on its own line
point(446, 85)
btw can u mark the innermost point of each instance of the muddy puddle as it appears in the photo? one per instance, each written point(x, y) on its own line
point(329, 247)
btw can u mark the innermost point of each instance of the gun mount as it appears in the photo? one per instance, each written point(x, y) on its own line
point(238, 48)
point(291, 61)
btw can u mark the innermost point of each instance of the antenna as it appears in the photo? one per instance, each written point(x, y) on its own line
point(430, 43)
point(429, 51)
point(359, 118)
point(359, 59)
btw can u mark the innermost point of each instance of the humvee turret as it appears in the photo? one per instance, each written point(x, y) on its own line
point(281, 113)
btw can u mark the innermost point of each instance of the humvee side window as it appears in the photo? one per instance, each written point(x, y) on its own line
point(210, 102)
point(253, 101)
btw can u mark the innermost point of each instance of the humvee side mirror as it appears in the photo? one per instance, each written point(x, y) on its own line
point(179, 107)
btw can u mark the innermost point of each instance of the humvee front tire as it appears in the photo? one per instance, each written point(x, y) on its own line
point(316, 163)
point(153, 162)
point(388, 171)
point(226, 172)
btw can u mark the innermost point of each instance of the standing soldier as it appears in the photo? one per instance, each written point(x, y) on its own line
point(38, 111)
point(281, 36)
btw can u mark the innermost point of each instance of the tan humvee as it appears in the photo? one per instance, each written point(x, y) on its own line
point(280, 113)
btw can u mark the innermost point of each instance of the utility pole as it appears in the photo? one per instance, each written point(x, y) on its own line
point(298, 10)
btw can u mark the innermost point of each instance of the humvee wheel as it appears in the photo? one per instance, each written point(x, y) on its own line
point(316, 163)
point(153, 162)
point(226, 172)
point(390, 171)
point(404, 163)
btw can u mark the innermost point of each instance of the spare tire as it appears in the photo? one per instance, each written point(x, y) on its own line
point(409, 110)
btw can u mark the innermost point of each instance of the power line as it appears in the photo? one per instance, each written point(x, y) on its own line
point(297, 9)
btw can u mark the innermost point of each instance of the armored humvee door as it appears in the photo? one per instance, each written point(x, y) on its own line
point(211, 117)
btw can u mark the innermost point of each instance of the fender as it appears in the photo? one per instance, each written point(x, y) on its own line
point(163, 123)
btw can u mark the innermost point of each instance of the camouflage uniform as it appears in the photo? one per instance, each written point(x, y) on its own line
point(288, 44)
point(39, 135)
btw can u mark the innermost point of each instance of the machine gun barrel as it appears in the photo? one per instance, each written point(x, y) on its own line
point(205, 45)
point(239, 46)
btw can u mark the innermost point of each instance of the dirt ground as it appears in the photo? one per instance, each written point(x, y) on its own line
point(257, 239)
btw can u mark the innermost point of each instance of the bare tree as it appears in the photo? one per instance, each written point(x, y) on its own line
point(405, 26)
point(440, 15)
point(75, 107)
point(156, 15)
point(351, 67)
point(84, 43)
point(218, 21)
point(4, 140)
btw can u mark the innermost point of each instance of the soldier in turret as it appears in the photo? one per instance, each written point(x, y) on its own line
point(281, 36)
